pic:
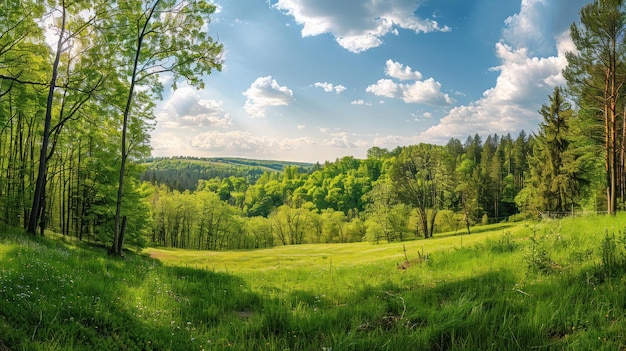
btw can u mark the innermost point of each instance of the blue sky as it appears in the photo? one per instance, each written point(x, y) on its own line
point(316, 80)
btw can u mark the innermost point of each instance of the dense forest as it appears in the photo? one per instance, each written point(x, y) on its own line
point(75, 120)
point(183, 173)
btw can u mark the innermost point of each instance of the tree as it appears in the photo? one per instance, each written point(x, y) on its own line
point(551, 185)
point(468, 187)
point(596, 75)
point(76, 21)
point(419, 178)
point(158, 37)
point(381, 199)
point(23, 73)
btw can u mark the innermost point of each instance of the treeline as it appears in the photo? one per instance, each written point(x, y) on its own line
point(409, 192)
point(183, 173)
point(75, 122)
point(405, 193)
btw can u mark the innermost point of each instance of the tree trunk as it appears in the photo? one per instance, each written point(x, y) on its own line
point(127, 109)
point(36, 208)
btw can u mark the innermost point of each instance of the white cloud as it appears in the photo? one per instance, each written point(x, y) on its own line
point(401, 72)
point(360, 102)
point(230, 143)
point(527, 74)
point(185, 108)
point(301, 126)
point(525, 28)
point(384, 87)
point(521, 88)
point(343, 140)
point(265, 92)
point(245, 142)
point(425, 92)
point(393, 141)
point(419, 92)
point(329, 88)
point(357, 25)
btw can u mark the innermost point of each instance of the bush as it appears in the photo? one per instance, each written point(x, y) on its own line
point(485, 219)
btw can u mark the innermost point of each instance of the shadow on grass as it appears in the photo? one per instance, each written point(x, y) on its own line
point(57, 297)
point(54, 296)
point(478, 230)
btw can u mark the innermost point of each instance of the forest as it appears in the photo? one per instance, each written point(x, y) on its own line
point(76, 116)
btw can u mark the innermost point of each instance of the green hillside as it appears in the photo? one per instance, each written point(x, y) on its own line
point(183, 173)
point(551, 285)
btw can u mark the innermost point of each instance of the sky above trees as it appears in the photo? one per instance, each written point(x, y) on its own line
point(311, 80)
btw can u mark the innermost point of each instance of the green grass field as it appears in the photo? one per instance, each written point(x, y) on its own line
point(554, 285)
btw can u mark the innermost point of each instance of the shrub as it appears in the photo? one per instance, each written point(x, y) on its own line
point(537, 259)
point(612, 257)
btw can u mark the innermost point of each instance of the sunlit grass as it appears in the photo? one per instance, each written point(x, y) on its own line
point(465, 292)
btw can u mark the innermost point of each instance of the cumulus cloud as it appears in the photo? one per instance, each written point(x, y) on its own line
point(419, 92)
point(245, 142)
point(263, 93)
point(425, 92)
point(357, 25)
point(399, 71)
point(360, 102)
point(185, 108)
point(525, 28)
point(343, 140)
point(538, 22)
point(384, 87)
point(527, 75)
point(393, 141)
point(329, 88)
point(522, 86)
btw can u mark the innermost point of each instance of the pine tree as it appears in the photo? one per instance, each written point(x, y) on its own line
point(596, 75)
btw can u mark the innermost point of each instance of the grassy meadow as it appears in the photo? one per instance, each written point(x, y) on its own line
point(552, 285)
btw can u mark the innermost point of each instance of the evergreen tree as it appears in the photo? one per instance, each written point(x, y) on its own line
point(555, 176)
point(596, 75)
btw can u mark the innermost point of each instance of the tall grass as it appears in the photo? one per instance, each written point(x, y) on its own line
point(551, 285)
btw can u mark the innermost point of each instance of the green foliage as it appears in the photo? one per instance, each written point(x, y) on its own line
point(537, 258)
point(593, 72)
point(185, 173)
point(506, 243)
point(559, 171)
point(613, 255)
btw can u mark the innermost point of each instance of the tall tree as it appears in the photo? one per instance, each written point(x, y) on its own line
point(551, 185)
point(419, 178)
point(596, 74)
point(161, 37)
point(76, 74)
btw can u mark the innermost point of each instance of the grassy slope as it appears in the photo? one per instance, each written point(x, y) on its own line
point(478, 291)
point(264, 165)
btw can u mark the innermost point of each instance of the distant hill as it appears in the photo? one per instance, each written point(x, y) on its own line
point(183, 173)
